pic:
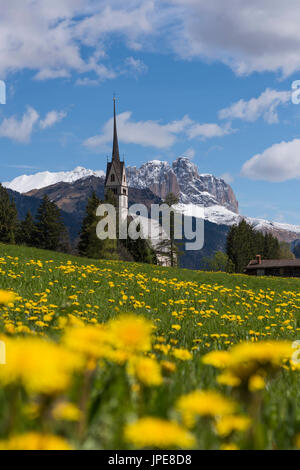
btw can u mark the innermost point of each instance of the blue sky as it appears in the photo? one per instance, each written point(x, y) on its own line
point(187, 83)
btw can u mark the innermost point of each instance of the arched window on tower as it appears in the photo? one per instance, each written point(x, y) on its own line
point(112, 178)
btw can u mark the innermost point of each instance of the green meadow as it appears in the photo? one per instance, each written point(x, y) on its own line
point(192, 313)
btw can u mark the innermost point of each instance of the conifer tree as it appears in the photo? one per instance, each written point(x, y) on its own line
point(26, 234)
point(8, 217)
point(244, 243)
point(110, 247)
point(51, 234)
point(89, 244)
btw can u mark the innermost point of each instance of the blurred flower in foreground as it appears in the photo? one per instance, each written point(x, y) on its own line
point(158, 433)
point(245, 360)
point(90, 341)
point(65, 411)
point(146, 370)
point(228, 424)
point(6, 297)
point(39, 366)
point(130, 333)
point(204, 403)
point(182, 354)
point(34, 441)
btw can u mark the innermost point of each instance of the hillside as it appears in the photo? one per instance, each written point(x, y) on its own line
point(64, 299)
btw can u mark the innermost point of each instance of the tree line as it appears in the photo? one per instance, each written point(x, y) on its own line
point(242, 245)
point(47, 231)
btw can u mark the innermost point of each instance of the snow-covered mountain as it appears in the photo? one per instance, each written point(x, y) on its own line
point(221, 216)
point(25, 183)
point(183, 178)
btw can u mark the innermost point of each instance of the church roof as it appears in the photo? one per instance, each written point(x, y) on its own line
point(119, 168)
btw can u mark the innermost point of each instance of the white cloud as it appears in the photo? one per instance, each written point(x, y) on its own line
point(208, 131)
point(135, 66)
point(227, 177)
point(52, 118)
point(153, 133)
point(146, 133)
point(280, 162)
point(49, 39)
point(261, 35)
point(265, 105)
point(19, 130)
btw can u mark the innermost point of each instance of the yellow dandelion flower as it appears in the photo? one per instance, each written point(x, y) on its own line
point(6, 297)
point(34, 441)
point(182, 354)
point(90, 341)
point(146, 370)
point(65, 411)
point(218, 359)
point(158, 433)
point(228, 424)
point(204, 403)
point(176, 327)
point(131, 333)
point(229, 446)
point(228, 379)
point(38, 365)
point(168, 366)
point(255, 383)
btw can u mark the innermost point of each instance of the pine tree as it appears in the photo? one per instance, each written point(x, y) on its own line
point(110, 247)
point(51, 234)
point(140, 250)
point(240, 246)
point(8, 217)
point(26, 234)
point(89, 244)
point(244, 243)
point(271, 247)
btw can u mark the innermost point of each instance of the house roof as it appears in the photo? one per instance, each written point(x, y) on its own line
point(274, 263)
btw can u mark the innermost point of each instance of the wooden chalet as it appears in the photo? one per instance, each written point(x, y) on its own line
point(273, 267)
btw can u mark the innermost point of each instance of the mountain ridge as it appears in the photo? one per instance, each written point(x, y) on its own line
point(160, 178)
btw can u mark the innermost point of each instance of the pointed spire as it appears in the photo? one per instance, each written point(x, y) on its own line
point(116, 153)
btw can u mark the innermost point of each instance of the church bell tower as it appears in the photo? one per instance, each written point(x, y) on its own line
point(116, 180)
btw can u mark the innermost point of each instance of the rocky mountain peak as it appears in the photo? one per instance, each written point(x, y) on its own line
point(183, 179)
point(185, 169)
point(155, 175)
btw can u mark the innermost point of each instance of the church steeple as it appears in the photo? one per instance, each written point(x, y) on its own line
point(115, 153)
point(116, 180)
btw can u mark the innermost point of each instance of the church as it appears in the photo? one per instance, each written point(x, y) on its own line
point(116, 180)
point(116, 183)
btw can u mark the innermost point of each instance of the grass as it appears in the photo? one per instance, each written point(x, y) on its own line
point(195, 311)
